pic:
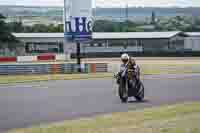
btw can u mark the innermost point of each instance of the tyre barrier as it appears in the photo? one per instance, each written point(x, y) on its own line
point(70, 68)
point(23, 69)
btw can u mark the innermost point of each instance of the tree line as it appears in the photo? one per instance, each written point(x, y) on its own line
point(18, 27)
point(180, 23)
point(176, 23)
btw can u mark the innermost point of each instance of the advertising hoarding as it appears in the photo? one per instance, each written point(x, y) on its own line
point(78, 20)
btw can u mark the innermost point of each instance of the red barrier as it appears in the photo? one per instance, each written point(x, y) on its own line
point(46, 57)
point(56, 68)
point(93, 68)
point(8, 59)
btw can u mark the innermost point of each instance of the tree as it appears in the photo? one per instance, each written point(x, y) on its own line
point(153, 18)
point(111, 26)
point(2, 17)
point(6, 38)
point(28, 29)
point(197, 21)
point(16, 27)
point(55, 28)
point(50, 28)
point(104, 26)
point(59, 28)
point(181, 23)
point(40, 28)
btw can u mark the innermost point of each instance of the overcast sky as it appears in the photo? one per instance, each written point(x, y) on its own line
point(106, 3)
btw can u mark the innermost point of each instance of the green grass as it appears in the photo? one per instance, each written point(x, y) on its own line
point(170, 68)
point(145, 70)
point(182, 118)
point(33, 78)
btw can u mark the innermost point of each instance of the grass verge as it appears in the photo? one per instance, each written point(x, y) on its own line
point(34, 78)
point(170, 68)
point(149, 69)
point(181, 118)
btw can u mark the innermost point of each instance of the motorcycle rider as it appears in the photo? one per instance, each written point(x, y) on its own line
point(125, 59)
point(131, 64)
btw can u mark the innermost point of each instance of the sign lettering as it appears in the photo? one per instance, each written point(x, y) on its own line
point(79, 28)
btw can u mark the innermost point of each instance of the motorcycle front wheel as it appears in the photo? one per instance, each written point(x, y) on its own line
point(123, 91)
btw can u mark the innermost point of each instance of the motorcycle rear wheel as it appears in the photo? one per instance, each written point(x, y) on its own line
point(140, 94)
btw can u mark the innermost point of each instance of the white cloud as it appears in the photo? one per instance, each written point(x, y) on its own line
point(160, 3)
point(33, 2)
point(107, 3)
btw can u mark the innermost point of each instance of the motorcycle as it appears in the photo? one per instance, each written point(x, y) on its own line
point(129, 86)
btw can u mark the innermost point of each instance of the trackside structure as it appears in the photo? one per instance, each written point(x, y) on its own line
point(112, 44)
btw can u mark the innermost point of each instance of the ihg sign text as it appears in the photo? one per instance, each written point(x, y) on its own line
point(78, 28)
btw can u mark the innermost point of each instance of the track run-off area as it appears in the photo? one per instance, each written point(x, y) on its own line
point(31, 104)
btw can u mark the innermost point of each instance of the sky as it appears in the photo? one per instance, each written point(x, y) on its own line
point(107, 3)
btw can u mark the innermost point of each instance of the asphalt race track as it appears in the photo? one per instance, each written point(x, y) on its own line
point(28, 104)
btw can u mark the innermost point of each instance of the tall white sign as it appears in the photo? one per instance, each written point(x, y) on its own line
point(78, 20)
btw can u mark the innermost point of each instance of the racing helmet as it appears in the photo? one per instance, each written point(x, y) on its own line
point(125, 58)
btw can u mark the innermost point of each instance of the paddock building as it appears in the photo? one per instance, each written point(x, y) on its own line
point(112, 44)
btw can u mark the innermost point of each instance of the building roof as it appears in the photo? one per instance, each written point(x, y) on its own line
point(134, 35)
point(105, 35)
point(193, 34)
point(39, 35)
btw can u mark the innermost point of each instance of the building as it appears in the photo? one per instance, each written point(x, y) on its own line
point(114, 43)
point(142, 41)
point(192, 41)
point(41, 42)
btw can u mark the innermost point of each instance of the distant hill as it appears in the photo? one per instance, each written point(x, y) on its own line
point(13, 11)
point(146, 11)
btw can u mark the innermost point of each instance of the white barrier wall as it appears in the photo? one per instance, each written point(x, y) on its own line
point(58, 57)
point(26, 58)
point(113, 67)
point(68, 57)
point(61, 57)
point(110, 68)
